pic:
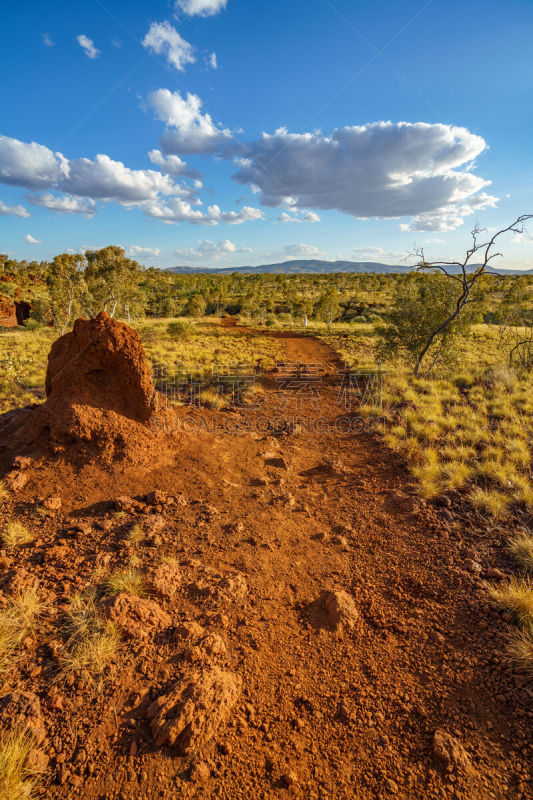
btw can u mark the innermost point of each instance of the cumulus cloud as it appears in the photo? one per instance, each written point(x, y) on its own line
point(307, 250)
point(203, 8)
point(164, 40)
point(305, 216)
point(173, 165)
point(31, 240)
point(382, 170)
point(136, 251)
point(34, 166)
point(175, 209)
point(64, 204)
point(379, 254)
point(13, 211)
point(187, 129)
point(47, 40)
point(87, 45)
point(209, 248)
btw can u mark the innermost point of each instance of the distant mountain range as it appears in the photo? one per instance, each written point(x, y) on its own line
point(314, 266)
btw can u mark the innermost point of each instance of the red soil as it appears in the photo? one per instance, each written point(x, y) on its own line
point(328, 640)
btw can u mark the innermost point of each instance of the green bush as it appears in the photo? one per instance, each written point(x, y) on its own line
point(180, 331)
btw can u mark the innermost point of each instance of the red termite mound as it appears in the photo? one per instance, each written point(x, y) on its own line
point(101, 364)
point(101, 400)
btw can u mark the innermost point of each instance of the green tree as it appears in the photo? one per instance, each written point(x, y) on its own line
point(113, 282)
point(328, 308)
point(67, 288)
point(421, 302)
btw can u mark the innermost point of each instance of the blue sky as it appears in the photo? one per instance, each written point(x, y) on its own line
point(388, 125)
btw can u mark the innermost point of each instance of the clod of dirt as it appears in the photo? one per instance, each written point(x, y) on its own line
point(16, 480)
point(138, 617)
point(209, 648)
point(341, 609)
point(449, 752)
point(164, 580)
point(189, 717)
point(102, 364)
point(21, 711)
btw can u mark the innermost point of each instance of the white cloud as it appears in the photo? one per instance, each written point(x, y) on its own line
point(173, 165)
point(29, 238)
point(163, 39)
point(87, 46)
point(136, 251)
point(13, 211)
point(174, 209)
point(306, 216)
point(213, 61)
point(47, 40)
point(382, 170)
point(213, 249)
point(203, 8)
point(64, 204)
point(307, 250)
point(34, 166)
point(188, 130)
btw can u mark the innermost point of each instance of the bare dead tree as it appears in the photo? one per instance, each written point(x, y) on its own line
point(467, 275)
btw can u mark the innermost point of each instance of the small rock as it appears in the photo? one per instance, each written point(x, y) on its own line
point(164, 580)
point(16, 480)
point(53, 503)
point(138, 617)
point(473, 566)
point(391, 786)
point(157, 498)
point(289, 778)
point(340, 608)
point(22, 462)
point(200, 772)
point(124, 503)
point(496, 574)
point(436, 637)
point(188, 630)
point(449, 752)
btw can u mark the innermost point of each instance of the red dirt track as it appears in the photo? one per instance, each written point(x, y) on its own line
point(324, 713)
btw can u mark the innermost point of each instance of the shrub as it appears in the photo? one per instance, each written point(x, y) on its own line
point(180, 331)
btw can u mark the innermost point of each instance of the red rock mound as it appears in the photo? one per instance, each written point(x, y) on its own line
point(100, 398)
point(101, 364)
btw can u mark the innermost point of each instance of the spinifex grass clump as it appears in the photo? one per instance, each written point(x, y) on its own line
point(17, 619)
point(92, 641)
point(16, 774)
point(129, 581)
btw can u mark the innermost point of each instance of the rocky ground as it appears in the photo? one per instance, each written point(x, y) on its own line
point(310, 628)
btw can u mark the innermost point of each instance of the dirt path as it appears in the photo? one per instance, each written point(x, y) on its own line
point(301, 509)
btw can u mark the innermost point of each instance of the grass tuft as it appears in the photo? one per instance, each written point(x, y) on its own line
point(521, 546)
point(516, 596)
point(16, 776)
point(521, 650)
point(15, 534)
point(17, 619)
point(128, 580)
point(136, 534)
point(92, 641)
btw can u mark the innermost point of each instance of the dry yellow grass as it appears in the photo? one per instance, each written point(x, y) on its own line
point(521, 649)
point(17, 619)
point(128, 580)
point(16, 776)
point(516, 596)
point(92, 642)
point(521, 546)
point(15, 534)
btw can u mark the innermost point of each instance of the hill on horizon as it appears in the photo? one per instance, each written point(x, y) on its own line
point(298, 266)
